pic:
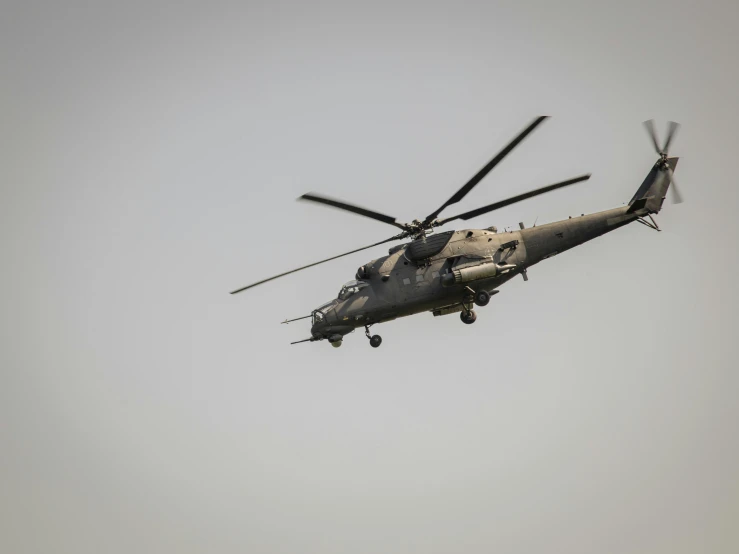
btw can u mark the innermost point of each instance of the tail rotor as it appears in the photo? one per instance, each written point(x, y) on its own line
point(663, 152)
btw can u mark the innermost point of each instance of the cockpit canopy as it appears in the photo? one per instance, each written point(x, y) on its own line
point(350, 288)
point(319, 314)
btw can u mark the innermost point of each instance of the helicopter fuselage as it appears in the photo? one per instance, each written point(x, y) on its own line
point(473, 259)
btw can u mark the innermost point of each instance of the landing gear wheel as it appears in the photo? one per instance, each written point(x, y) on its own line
point(468, 317)
point(336, 343)
point(375, 341)
point(482, 297)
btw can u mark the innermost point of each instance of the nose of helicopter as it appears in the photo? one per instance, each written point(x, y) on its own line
point(321, 319)
point(318, 327)
point(327, 324)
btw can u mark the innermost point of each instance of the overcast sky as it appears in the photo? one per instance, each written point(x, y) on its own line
point(150, 155)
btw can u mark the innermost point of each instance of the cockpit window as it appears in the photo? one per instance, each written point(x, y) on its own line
point(319, 314)
point(350, 288)
point(326, 306)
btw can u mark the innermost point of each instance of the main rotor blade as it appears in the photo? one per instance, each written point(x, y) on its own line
point(514, 199)
point(649, 124)
point(316, 263)
point(671, 129)
point(485, 170)
point(312, 197)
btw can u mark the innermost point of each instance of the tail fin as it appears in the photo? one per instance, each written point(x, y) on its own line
point(652, 192)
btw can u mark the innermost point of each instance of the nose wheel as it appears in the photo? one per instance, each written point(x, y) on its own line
point(375, 340)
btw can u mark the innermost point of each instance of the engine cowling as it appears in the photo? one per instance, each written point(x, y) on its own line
point(426, 247)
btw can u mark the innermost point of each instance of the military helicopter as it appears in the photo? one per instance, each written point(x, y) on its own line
point(453, 271)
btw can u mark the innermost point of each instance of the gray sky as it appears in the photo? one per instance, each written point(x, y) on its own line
point(150, 156)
